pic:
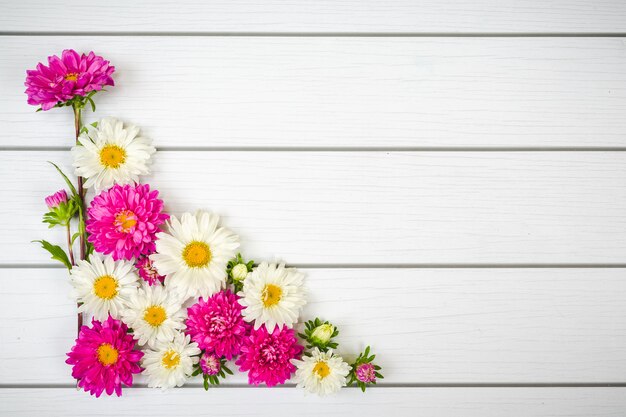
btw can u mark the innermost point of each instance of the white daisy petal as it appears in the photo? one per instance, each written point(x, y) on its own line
point(192, 260)
point(101, 288)
point(111, 154)
point(273, 295)
point(170, 364)
point(321, 373)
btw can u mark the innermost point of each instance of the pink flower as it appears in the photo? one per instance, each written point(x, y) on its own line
point(147, 271)
point(66, 77)
point(365, 372)
point(217, 325)
point(210, 364)
point(267, 356)
point(53, 201)
point(123, 221)
point(104, 357)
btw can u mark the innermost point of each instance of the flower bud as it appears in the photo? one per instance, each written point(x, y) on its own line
point(210, 364)
point(240, 272)
point(321, 334)
point(55, 200)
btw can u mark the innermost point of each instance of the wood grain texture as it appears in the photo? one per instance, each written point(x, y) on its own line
point(397, 402)
point(367, 207)
point(427, 325)
point(324, 16)
point(338, 92)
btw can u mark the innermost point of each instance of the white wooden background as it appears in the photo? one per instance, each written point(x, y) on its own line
point(450, 174)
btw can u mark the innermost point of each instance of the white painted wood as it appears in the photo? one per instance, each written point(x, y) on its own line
point(442, 402)
point(324, 16)
point(338, 92)
point(368, 207)
point(426, 325)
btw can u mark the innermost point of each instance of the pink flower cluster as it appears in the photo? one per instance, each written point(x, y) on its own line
point(217, 325)
point(123, 221)
point(267, 356)
point(66, 77)
point(104, 357)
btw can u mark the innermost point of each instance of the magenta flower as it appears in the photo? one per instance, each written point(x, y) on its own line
point(123, 221)
point(366, 372)
point(267, 356)
point(147, 271)
point(210, 364)
point(53, 201)
point(67, 77)
point(104, 358)
point(217, 325)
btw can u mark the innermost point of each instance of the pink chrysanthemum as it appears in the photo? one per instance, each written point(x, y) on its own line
point(124, 220)
point(147, 271)
point(217, 325)
point(210, 364)
point(267, 356)
point(104, 357)
point(53, 201)
point(66, 77)
point(366, 372)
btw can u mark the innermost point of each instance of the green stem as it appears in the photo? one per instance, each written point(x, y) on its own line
point(69, 243)
point(81, 195)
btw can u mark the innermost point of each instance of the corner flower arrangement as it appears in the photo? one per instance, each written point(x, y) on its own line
point(169, 297)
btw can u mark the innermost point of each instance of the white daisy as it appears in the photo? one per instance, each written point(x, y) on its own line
point(273, 295)
point(322, 373)
point(103, 285)
point(111, 154)
point(154, 314)
point(172, 363)
point(194, 254)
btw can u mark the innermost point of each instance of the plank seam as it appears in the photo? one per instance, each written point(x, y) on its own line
point(327, 34)
point(342, 149)
point(396, 266)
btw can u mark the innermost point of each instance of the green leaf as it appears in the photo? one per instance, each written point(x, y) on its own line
point(228, 371)
point(67, 181)
point(206, 384)
point(56, 251)
point(93, 105)
point(74, 236)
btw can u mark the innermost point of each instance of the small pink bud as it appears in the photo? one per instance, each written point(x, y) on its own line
point(53, 201)
point(210, 363)
point(366, 373)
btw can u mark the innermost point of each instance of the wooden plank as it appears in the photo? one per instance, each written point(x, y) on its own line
point(324, 16)
point(368, 207)
point(428, 326)
point(338, 92)
point(444, 402)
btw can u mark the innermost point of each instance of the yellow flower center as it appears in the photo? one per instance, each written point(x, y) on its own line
point(112, 156)
point(321, 369)
point(105, 287)
point(125, 220)
point(71, 76)
point(155, 315)
point(170, 359)
point(107, 354)
point(197, 254)
point(271, 295)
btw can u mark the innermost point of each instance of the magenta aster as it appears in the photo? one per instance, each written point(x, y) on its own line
point(217, 325)
point(53, 201)
point(66, 77)
point(366, 372)
point(123, 220)
point(147, 271)
point(266, 356)
point(210, 363)
point(104, 357)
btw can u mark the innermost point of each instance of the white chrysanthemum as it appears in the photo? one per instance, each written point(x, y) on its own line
point(154, 314)
point(111, 154)
point(322, 373)
point(194, 254)
point(273, 295)
point(171, 364)
point(103, 285)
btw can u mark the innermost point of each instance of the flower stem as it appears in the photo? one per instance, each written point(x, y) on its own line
point(69, 243)
point(81, 209)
